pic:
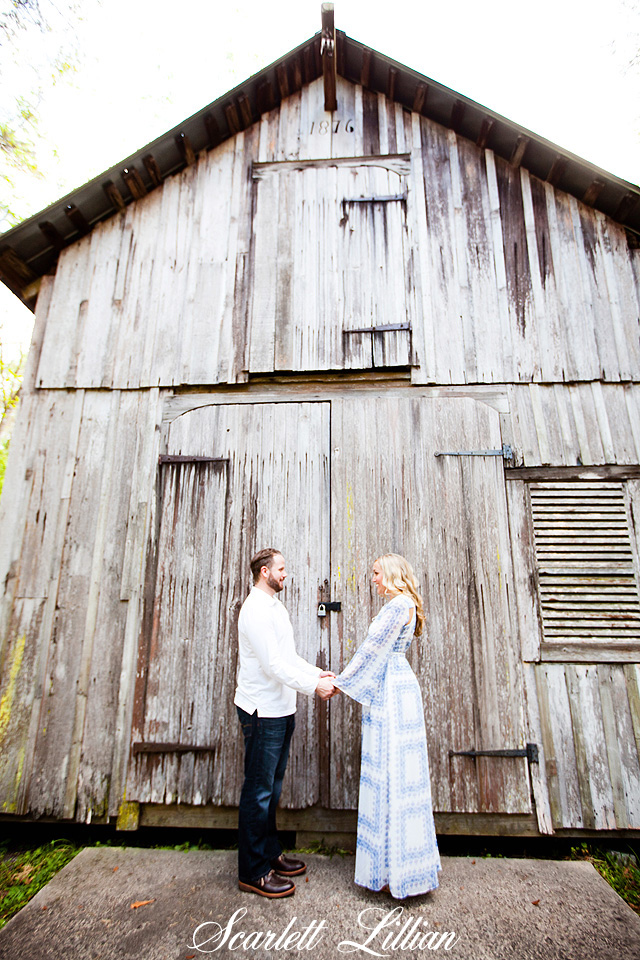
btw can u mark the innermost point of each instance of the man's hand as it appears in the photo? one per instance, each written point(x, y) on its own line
point(325, 688)
point(326, 673)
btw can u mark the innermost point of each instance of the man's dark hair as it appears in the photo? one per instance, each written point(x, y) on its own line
point(263, 558)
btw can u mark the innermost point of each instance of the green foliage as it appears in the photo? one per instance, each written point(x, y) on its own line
point(10, 382)
point(621, 871)
point(38, 47)
point(24, 873)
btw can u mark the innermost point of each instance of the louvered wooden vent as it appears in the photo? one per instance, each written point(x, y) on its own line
point(588, 588)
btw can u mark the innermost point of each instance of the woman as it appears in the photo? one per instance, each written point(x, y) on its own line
point(397, 848)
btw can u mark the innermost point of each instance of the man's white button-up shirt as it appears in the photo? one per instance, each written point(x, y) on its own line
point(270, 670)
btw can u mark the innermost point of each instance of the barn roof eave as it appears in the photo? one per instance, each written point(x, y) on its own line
point(30, 250)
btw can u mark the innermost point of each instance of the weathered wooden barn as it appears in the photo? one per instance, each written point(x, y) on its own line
point(343, 310)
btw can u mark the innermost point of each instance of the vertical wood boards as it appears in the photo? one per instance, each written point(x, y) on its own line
point(589, 724)
point(524, 282)
point(574, 425)
point(272, 490)
point(448, 516)
point(66, 628)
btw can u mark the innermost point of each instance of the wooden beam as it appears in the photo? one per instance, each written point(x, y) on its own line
point(485, 132)
point(77, 219)
point(246, 113)
point(186, 150)
point(592, 192)
point(625, 207)
point(283, 80)
point(340, 54)
point(519, 150)
point(391, 86)
point(232, 118)
point(152, 169)
point(265, 98)
point(213, 130)
point(558, 167)
point(296, 69)
point(53, 236)
point(134, 182)
point(457, 115)
point(420, 97)
point(113, 194)
point(365, 73)
point(14, 271)
point(607, 472)
point(308, 63)
point(329, 59)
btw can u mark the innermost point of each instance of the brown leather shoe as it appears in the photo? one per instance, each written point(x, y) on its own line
point(270, 885)
point(287, 866)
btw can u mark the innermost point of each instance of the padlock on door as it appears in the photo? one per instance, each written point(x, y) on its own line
point(322, 610)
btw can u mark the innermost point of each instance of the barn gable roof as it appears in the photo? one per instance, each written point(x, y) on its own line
point(30, 250)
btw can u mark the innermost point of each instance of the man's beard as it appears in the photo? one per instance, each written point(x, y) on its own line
point(273, 583)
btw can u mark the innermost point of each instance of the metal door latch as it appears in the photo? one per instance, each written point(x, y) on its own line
point(334, 606)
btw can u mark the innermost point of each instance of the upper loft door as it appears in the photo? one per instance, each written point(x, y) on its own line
point(332, 271)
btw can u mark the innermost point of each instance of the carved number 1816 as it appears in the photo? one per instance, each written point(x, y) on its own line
point(324, 126)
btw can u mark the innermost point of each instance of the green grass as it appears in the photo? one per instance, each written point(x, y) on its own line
point(24, 872)
point(622, 874)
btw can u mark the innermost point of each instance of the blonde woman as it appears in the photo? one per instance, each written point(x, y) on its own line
point(397, 848)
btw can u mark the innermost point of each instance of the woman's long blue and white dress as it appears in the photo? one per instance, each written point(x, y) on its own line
point(396, 834)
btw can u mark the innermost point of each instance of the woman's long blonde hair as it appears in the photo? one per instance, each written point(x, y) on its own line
point(397, 574)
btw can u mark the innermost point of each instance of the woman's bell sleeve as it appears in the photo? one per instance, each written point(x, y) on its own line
point(362, 676)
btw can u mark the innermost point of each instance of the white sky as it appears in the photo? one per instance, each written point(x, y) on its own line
point(559, 67)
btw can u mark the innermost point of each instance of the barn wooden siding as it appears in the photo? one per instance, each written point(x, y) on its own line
point(506, 278)
point(516, 316)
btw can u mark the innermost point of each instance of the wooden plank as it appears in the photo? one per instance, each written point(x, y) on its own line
point(588, 738)
point(27, 715)
point(517, 270)
point(444, 314)
point(583, 651)
point(70, 289)
point(523, 558)
point(562, 778)
point(141, 520)
point(537, 771)
point(623, 295)
point(50, 788)
point(621, 748)
point(610, 471)
point(504, 333)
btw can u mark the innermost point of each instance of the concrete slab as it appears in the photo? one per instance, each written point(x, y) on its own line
point(485, 909)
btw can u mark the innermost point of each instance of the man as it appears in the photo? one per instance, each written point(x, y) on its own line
point(270, 674)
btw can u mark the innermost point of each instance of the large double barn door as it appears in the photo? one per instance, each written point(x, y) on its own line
point(264, 482)
point(332, 485)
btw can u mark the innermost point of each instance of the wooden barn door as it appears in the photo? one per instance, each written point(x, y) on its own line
point(448, 515)
point(236, 478)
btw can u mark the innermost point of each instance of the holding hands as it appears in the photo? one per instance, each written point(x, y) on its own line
point(326, 689)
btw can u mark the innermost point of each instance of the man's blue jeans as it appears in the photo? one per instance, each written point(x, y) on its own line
point(266, 751)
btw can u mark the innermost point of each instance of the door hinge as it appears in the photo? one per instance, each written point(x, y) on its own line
point(381, 328)
point(530, 752)
point(506, 453)
point(144, 746)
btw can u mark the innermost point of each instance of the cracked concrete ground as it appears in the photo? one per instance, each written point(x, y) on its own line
point(484, 909)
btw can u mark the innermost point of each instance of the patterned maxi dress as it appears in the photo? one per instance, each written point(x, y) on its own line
point(396, 834)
